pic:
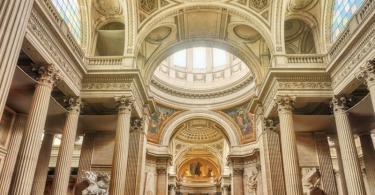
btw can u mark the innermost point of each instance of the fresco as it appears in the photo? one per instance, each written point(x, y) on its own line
point(244, 119)
point(198, 169)
point(158, 118)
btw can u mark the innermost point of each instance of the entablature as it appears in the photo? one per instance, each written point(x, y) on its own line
point(304, 84)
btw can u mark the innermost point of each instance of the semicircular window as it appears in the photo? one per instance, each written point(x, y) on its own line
point(69, 11)
point(343, 11)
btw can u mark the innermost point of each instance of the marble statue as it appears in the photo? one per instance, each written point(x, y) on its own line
point(98, 183)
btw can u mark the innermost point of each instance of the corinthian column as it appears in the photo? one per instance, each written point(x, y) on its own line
point(41, 173)
point(136, 158)
point(292, 172)
point(273, 165)
point(367, 74)
point(120, 153)
point(14, 15)
point(64, 159)
point(11, 157)
point(31, 141)
point(369, 159)
point(352, 171)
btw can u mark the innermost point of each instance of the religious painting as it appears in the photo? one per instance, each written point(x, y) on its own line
point(198, 169)
point(5, 126)
point(244, 119)
point(158, 119)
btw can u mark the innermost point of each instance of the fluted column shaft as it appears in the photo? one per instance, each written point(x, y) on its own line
point(369, 159)
point(41, 173)
point(31, 141)
point(292, 172)
point(14, 16)
point(64, 160)
point(328, 181)
point(136, 158)
point(272, 166)
point(352, 170)
point(11, 157)
point(85, 156)
point(120, 154)
point(342, 181)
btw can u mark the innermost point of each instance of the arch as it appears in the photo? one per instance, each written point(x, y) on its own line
point(311, 22)
point(229, 128)
point(256, 21)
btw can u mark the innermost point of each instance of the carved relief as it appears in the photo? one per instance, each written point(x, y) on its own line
point(159, 34)
point(98, 183)
point(258, 4)
point(149, 5)
point(108, 7)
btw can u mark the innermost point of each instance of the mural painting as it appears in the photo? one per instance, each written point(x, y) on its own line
point(158, 119)
point(245, 121)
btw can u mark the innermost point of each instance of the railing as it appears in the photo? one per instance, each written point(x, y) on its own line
point(305, 59)
point(105, 61)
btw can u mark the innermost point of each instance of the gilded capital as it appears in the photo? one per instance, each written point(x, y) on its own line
point(367, 73)
point(124, 103)
point(339, 103)
point(48, 74)
point(285, 103)
point(73, 104)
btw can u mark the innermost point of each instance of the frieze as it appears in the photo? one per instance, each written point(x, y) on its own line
point(305, 85)
point(364, 47)
point(38, 29)
point(106, 86)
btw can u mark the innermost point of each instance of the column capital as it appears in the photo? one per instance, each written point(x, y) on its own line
point(73, 104)
point(137, 125)
point(48, 75)
point(367, 73)
point(285, 103)
point(172, 186)
point(238, 171)
point(124, 103)
point(269, 124)
point(339, 103)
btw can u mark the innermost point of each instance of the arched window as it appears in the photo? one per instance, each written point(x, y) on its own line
point(343, 11)
point(69, 11)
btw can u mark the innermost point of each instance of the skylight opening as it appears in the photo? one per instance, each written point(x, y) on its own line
point(219, 57)
point(199, 58)
point(179, 58)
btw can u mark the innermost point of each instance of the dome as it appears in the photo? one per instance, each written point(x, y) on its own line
point(201, 73)
point(199, 131)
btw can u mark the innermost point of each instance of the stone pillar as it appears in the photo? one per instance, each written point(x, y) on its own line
point(136, 158)
point(369, 159)
point(341, 183)
point(120, 153)
point(237, 181)
point(31, 141)
point(64, 160)
point(367, 74)
point(87, 150)
point(292, 171)
point(172, 189)
point(351, 166)
point(272, 167)
point(41, 173)
point(162, 181)
point(328, 182)
point(14, 16)
point(11, 157)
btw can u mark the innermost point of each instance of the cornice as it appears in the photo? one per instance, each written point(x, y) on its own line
point(201, 94)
